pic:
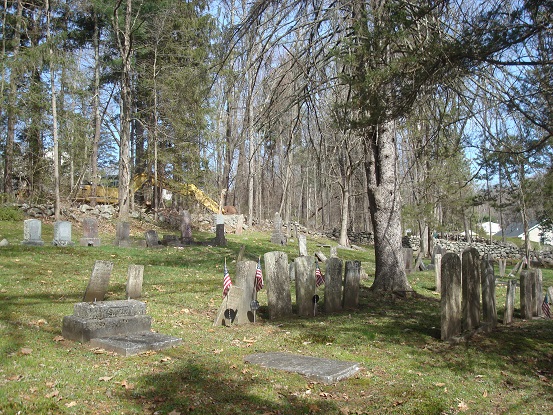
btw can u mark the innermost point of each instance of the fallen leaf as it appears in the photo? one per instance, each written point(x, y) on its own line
point(26, 351)
point(249, 340)
point(174, 412)
point(53, 394)
point(15, 377)
point(463, 407)
point(71, 404)
point(105, 378)
point(485, 394)
point(127, 385)
point(439, 385)
point(58, 338)
point(50, 384)
point(217, 351)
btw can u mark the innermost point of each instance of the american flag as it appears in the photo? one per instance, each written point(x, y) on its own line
point(227, 283)
point(320, 279)
point(258, 276)
point(545, 307)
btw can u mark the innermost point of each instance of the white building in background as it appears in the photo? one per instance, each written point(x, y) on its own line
point(536, 233)
point(491, 228)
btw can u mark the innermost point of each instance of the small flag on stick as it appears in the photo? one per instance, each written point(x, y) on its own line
point(545, 307)
point(227, 283)
point(320, 279)
point(258, 276)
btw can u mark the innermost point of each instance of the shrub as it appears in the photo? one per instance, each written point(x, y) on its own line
point(10, 213)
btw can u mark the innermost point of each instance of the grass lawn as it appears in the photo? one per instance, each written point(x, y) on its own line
point(406, 368)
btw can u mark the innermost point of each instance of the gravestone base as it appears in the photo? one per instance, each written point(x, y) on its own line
point(33, 243)
point(136, 343)
point(89, 242)
point(86, 329)
point(322, 370)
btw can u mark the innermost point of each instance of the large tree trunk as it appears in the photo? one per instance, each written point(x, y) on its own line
point(385, 203)
point(96, 110)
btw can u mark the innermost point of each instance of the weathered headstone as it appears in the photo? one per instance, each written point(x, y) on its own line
point(489, 311)
point(278, 284)
point(450, 303)
point(123, 234)
point(305, 285)
point(352, 283)
point(408, 258)
point(292, 271)
point(538, 293)
point(510, 302)
point(32, 232)
point(333, 285)
point(239, 225)
point(186, 227)
point(334, 251)
point(62, 234)
point(229, 307)
point(471, 289)
point(245, 279)
point(277, 236)
point(152, 239)
point(99, 281)
point(135, 276)
point(527, 286)
point(90, 233)
point(438, 271)
point(502, 265)
point(220, 239)
point(302, 245)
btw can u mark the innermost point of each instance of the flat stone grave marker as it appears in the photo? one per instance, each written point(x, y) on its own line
point(133, 344)
point(229, 307)
point(32, 232)
point(62, 234)
point(98, 283)
point(90, 233)
point(135, 276)
point(322, 370)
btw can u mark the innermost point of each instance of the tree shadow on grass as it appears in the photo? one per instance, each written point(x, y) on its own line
point(207, 387)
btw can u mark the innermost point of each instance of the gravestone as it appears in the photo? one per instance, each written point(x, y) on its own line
point(245, 279)
point(321, 370)
point(152, 239)
point(527, 287)
point(278, 284)
point(32, 232)
point(277, 236)
point(292, 271)
point(305, 285)
point(502, 265)
point(123, 234)
point(438, 271)
point(510, 302)
point(334, 251)
point(333, 285)
point(62, 234)
point(99, 281)
point(538, 293)
point(408, 259)
point(135, 276)
point(450, 303)
point(239, 225)
point(228, 310)
point(302, 245)
point(220, 239)
point(90, 233)
point(550, 294)
point(489, 311)
point(352, 283)
point(186, 228)
point(471, 289)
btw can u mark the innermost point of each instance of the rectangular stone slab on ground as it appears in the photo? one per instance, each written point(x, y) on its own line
point(322, 370)
point(132, 344)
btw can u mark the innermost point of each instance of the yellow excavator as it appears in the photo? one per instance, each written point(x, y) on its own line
point(110, 195)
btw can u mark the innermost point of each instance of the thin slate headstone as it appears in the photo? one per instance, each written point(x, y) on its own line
point(99, 281)
point(90, 233)
point(292, 271)
point(489, 311)
point(408, 258)
point(245, 278)
point(239, 225)
point(305, 285)
point(220, 239)
point(62, 234)
point(277, 236)
point(302, 245)
point(321, 370)
point(32, 232)
point(352, 282)
point(228, 310)
point(438, 271)
point(471, 289)
point(135, 276)
point(526, 293)
point(334, 251)
point(333, 285)
point(510, 302)
point(538, 293)
point(152, 239)
point(278, 284)
point(186, 227)
point(450, 303)
point(123, 234)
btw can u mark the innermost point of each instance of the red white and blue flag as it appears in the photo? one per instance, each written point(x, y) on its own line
point(258, 276)
point(545, 307)
point(319, 277)
point(227, 283)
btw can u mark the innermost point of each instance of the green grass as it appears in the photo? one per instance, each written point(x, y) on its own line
point(406, 368)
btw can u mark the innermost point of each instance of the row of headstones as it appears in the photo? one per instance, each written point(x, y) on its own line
point(341, 289)
point(467, 287)
point(99, 281)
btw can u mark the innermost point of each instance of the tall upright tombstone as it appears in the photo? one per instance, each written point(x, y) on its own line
point(62, 234)
point(510, 302)
point(278, 284)
point(277, 236)
point(239, 225)
point(220, 239)
point(90, 233)
point(186, 227)
point(450, 303)
point(538, 290)
point(438, 271)
point(135, 277)
point(408, 258)
point(305, 285)
point(99, 281)
point(527, 287)
point(471, 289)
point(245, 279)
point(333, 285)
point(489, 311)
point(302, 245)
point(352, 282)
point(123, 234)
point(32, 232)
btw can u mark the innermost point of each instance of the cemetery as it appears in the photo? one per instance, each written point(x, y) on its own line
point(115, 326)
